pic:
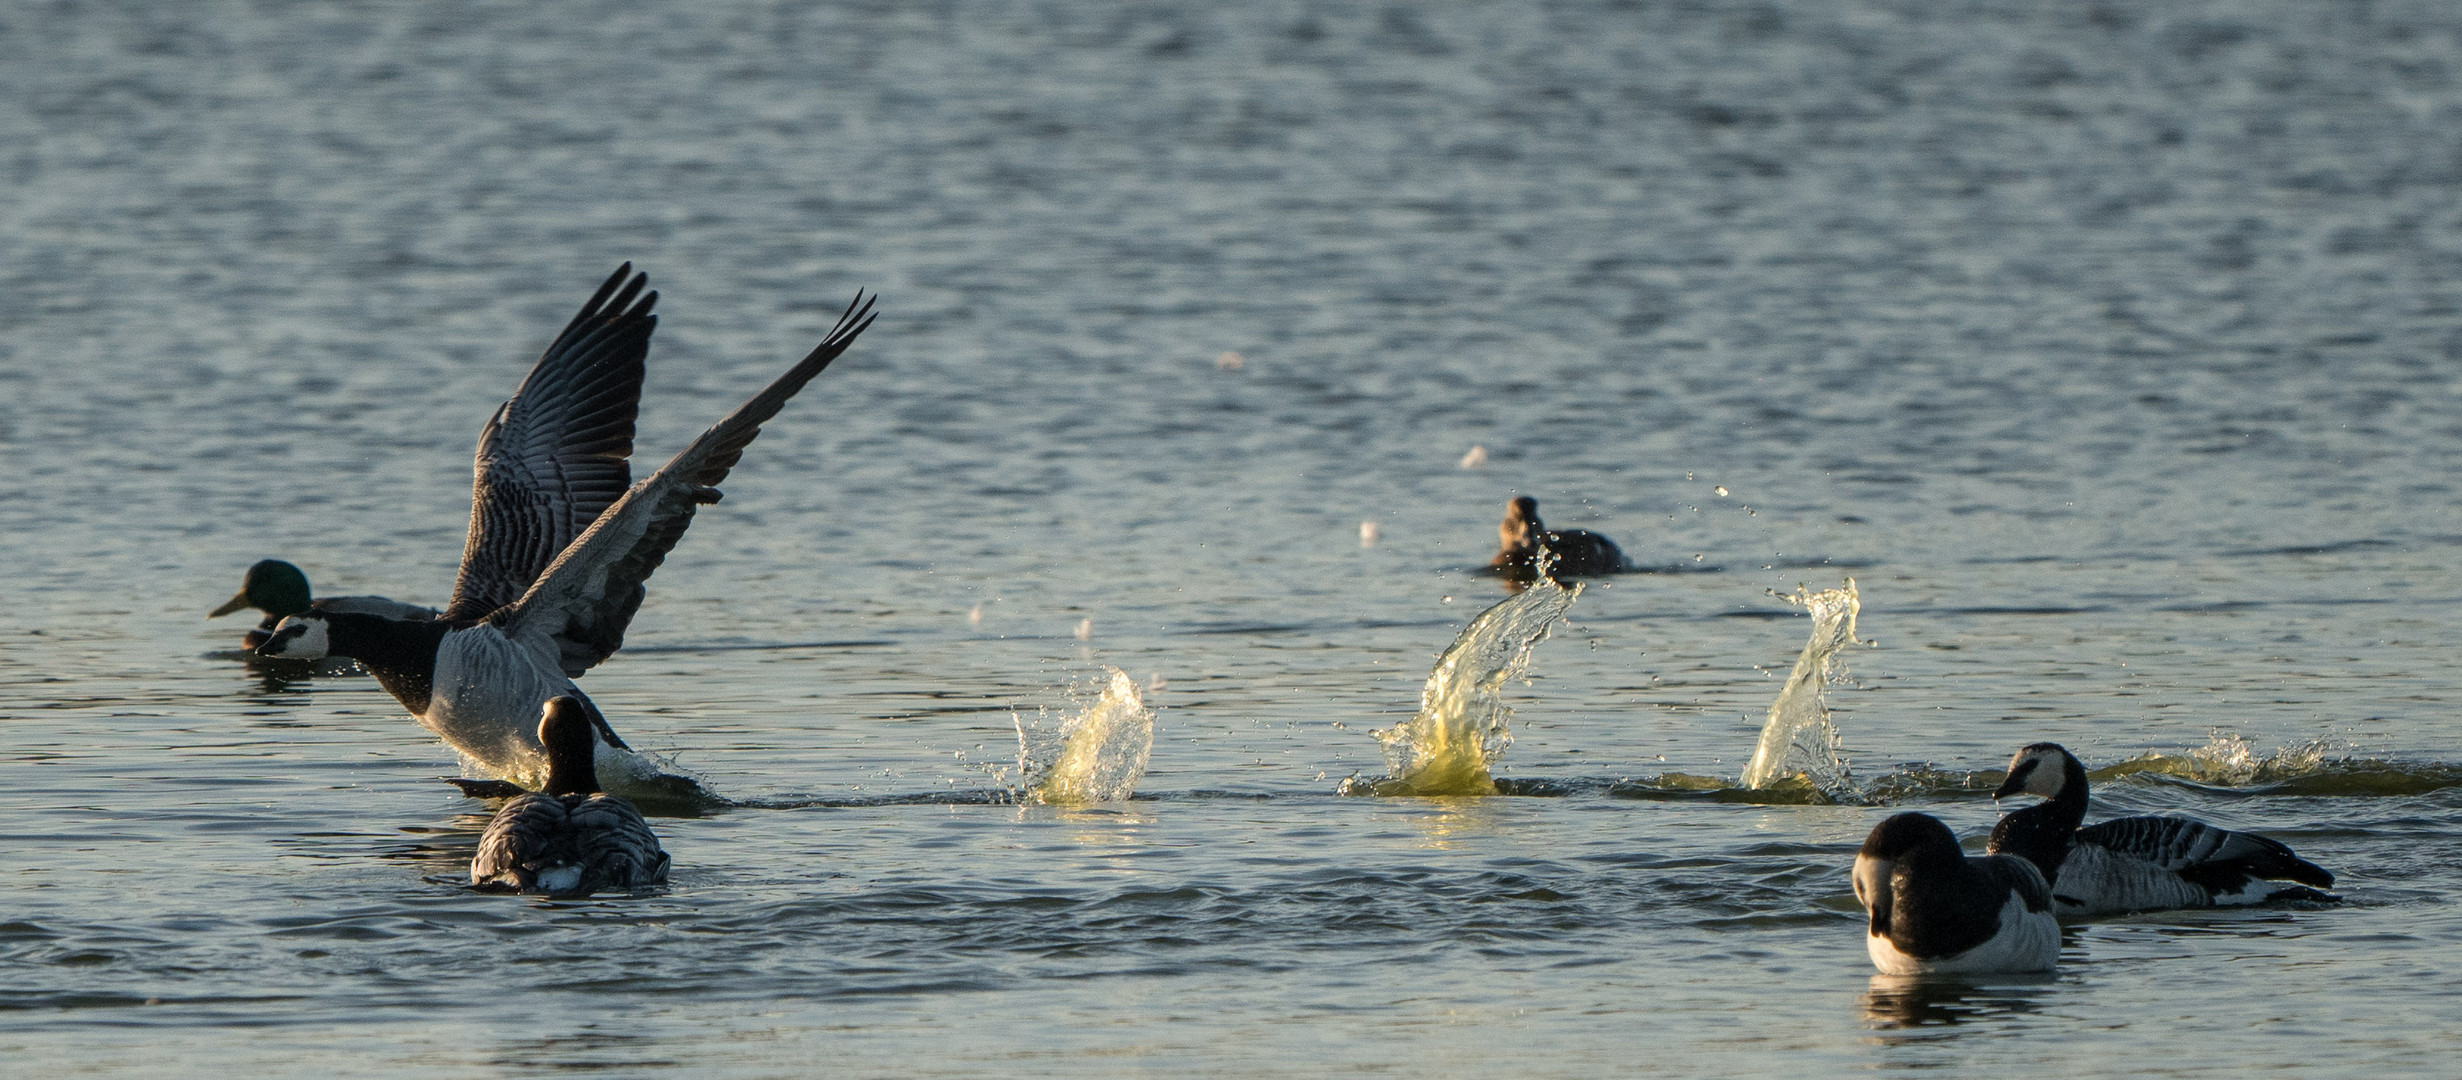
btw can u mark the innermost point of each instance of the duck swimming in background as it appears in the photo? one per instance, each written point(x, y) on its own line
point(1931, 909)
point(1521, 537)
point(278, 588)
point(549, 580)
point(2144, 863)
point(567, 838)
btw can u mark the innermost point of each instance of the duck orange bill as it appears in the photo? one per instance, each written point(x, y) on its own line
point(228, 606)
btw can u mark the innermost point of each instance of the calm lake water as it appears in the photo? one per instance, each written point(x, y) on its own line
point(2116, 353)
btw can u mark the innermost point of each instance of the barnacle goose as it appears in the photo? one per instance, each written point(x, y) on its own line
point(1933, 910)
point(2137, 863)
point(567, 839)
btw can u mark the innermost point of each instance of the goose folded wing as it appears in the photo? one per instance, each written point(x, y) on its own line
point(2179, 844)
point(553, 456)
point(588, 595)
point(2016, 875)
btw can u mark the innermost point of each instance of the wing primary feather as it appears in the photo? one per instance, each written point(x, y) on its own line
point(587, 596)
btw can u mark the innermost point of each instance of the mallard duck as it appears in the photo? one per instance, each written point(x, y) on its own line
point(567, 838)
point(2143, 863)
point(278, 588)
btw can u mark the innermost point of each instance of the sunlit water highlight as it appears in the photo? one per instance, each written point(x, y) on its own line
point(1451, 746)
point(1094, 755)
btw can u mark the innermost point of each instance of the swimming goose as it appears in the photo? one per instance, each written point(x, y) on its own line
point(567, 839)
point(278, 588)
point(1521, 537)
point(1932, 909)
point(534, 609)
point(2137, 863)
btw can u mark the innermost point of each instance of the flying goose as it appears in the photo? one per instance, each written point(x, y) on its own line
point(2137, 863)
point(1521, 537)
point(544, 596)
point(278, 588)
point(1932, 909)
point(567, 838)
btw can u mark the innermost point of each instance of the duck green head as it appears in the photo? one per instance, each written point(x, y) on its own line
point(274, 587)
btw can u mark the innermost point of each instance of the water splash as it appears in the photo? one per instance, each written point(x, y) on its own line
point(1094, 756)
point(1798, 739)
point(1460, 730)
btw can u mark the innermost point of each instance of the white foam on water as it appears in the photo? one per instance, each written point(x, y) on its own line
point(1460, 731)
point(1095, 755)
point(1799, 739)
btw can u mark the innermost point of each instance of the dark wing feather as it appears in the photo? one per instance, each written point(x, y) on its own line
point(2017, 875)
point(553, 456)
point(2181, 845)
point(588, 596)
point(616, 847)
point(600, 834)
point(510, 850)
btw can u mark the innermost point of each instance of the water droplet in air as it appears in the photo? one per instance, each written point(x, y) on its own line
point(1085, 629)
point(1721, 490)
point(1476, 458)
point(1230, 361)
point(1369, 533)
point(975, 616)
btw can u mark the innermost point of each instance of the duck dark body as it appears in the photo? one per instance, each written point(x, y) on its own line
point(1522, 537)
point(2142, 863)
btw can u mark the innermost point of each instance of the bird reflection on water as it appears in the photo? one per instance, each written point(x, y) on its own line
point(1894, 1003)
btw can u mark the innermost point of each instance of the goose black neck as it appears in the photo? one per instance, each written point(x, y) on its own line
point(401, 653)
point(2040, 833)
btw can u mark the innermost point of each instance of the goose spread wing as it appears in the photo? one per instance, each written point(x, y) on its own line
point(553, 455)
point(2181, 844)
point(588, 596)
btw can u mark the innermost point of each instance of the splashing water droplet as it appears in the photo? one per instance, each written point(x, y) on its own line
point(1720, 490)
point(1370, 533)
point(1085, 629)
point(1230, 361)
point(1476, 458)
point(974, 616)
point(1460, 731)
point(1097, 755)
point(1798, 739)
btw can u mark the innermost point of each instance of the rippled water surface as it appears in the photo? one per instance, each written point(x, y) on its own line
point(2111, 348)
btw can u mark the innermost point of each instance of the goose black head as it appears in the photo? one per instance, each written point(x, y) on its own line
point(299, 637)
point(274, 587)
point(1918, 842)
point(571, 742)
point(2040, 769)
point(1521, 528)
